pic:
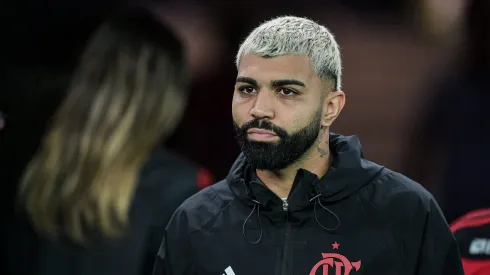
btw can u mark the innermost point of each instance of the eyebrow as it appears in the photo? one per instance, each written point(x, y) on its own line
point(274, 83)
point(247, 80)
point(286, 82)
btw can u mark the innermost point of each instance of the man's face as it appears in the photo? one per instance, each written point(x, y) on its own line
point(277, 109)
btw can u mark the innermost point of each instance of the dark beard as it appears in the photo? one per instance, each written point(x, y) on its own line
point(280, 154)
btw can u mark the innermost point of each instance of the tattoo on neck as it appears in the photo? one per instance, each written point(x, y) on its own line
point(323, 151)
point(322, 134)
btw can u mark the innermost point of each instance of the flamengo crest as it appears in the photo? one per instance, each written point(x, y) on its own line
point(335, 264)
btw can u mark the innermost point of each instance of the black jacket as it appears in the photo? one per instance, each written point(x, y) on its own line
point(360, 218)
point(166, 181)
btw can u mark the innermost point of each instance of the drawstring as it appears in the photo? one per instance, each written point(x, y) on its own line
point(256, 206)
point(317, 200)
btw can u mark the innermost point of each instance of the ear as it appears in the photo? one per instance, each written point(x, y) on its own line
point(332, 106)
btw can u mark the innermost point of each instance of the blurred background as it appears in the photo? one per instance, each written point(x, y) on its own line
point(414, 75)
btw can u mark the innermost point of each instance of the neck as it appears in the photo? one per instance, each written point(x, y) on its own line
point(317, 160)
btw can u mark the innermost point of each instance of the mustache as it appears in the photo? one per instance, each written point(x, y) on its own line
point(265, 125)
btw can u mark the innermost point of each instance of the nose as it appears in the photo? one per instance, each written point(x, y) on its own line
point(263, 106)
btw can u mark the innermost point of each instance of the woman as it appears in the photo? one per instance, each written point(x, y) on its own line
point(92, 194)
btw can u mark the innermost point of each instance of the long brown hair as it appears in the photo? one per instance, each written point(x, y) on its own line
point(126, 94)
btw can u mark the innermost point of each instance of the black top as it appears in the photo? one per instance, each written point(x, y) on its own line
point(166, 181)
point(360, 218)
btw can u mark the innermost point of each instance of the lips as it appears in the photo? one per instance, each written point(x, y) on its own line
point(260, 132)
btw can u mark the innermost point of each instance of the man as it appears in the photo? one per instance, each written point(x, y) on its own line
point(301, 200)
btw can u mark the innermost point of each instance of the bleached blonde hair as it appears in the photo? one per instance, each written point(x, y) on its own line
point(291, 35)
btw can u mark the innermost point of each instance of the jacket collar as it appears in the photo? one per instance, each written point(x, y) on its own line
point(349, 172)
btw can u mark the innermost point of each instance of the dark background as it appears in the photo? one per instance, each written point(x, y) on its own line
point(406, 68)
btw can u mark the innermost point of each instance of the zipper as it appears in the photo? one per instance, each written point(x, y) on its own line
point(287, 233)
point(285, 208)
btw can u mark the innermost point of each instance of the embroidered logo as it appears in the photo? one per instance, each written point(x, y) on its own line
point(336, 264)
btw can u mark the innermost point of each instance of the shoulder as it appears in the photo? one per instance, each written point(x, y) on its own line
point(397, 199)
point(166, 181)
point(171, 164)
point(404, 207)
point(203, 207)
point(394, 188)
point(171, 171)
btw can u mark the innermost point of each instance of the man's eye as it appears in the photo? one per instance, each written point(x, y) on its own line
point(287, 92)
point(247, 89)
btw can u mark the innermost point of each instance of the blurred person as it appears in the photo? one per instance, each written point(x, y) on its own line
point(96, 196)
point(300, 199)
point(472, 231)
point(449, 140)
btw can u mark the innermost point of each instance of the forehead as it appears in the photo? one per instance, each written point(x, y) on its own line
point(280, 67)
